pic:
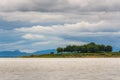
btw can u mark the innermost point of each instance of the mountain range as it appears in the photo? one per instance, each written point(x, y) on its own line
point(18, 53)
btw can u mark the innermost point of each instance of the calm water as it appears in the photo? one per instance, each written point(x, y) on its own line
point(60, 69)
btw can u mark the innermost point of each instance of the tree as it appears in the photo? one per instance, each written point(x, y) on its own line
point(74, 48)
point(101, 48)
point(78, 48)
point(93, 48)
point(92, 43)
point(84, 49)
point(69, 48)
point(108, 48)
point(59, 50)
point(88, 48)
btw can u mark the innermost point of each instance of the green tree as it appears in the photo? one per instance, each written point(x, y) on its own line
point(60, 50)
point(88, 48)
point(78, 48)
point(74, 48)
point(108, 48)
point(93, 48)
point(92, 43)
point(101, 48)
point(69, 48)
point(84, 49)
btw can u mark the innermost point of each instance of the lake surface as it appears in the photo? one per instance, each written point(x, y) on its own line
point(60, 69)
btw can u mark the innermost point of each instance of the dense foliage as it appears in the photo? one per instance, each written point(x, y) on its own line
point(88, 48)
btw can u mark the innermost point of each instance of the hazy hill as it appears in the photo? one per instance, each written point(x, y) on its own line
point(16, 53)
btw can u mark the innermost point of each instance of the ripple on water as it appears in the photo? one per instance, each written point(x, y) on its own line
point(60, 69)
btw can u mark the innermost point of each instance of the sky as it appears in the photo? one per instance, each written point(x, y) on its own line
point(34, 25)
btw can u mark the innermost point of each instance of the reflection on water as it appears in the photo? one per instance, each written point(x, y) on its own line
point(60, 69)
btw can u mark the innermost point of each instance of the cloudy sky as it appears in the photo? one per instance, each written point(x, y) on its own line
point(31, 25)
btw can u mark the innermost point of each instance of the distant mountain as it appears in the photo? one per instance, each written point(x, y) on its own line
point(45, 51)
point(16, 53)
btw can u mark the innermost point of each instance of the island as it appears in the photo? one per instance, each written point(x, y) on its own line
point(90, 50)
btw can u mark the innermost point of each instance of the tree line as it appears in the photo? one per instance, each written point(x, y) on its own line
point(87, 48)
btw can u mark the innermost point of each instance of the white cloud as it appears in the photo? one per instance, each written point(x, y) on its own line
point(39, 17)
point(72, 28)
point(61, 35)
point(49, 37)
point(31, 16)
point(33, 36)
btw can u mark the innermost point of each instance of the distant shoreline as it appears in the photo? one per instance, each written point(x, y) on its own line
point(76, 55)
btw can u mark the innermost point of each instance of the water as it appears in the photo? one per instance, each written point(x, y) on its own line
point(60, 69)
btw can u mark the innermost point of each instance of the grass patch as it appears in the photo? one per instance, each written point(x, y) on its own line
point(76, 55)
